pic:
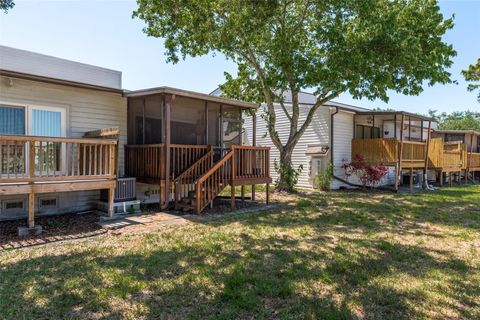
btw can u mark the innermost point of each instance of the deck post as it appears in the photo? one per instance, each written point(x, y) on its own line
point(232, 177)
point(396, 177)
point(166, 105)
point(111, 196)
point(427, 146)
point(31, 210)
point(268, 193)
point(441, 178)
point(243, 192)
point(469, 160)
point(400, 153)
point(254, 143)
point(411, 180)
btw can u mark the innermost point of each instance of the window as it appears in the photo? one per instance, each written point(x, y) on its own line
point(12, 120)
point(454, 137)
point(36, 121)
point(366, 132)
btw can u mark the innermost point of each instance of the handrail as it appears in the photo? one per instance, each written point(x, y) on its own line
point(211, 183)
point(23, 138)
point(252, 148)
point(215, 167)
point(198, 168)
point(414, 142)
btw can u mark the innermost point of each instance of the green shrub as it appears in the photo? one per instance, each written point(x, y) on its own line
point(288, 175)
point(323, 180)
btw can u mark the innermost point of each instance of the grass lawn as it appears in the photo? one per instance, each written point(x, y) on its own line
point(336, 255)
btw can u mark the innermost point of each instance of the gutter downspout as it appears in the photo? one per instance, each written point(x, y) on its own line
point(331, 133)
point(332, 116)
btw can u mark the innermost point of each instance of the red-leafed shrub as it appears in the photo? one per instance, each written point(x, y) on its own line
point(368, 174)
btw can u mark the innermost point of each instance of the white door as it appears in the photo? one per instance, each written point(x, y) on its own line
point(48, 122)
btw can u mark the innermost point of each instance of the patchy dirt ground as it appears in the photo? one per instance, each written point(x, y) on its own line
point(55, 228)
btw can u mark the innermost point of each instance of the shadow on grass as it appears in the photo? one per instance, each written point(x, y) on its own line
point(228, 278)
point(375, 211)
point(265, 269)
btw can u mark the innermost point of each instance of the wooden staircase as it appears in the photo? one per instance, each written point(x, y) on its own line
point(185, 183)
point(202, 182)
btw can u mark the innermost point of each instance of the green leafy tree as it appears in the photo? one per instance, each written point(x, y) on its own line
point(5, 5)
point(363, 47)
point(472, 74)
point(459, 120)
point(383, 109)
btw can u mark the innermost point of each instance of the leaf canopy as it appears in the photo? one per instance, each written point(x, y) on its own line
point(472, 75)
point(364, 47)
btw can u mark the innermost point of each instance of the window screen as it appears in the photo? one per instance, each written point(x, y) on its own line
point(12, 120)
point(153, 130)
point(367, 132)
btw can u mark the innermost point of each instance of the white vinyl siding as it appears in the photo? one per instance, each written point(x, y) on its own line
point(342, 143)
point(86, 109)
point(316, 134)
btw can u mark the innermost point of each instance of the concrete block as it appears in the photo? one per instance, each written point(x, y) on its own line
point(25, 231)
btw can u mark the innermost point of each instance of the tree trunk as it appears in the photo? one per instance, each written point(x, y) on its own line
point(286, 180)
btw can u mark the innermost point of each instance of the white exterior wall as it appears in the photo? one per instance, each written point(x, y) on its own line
point(318, 133)
point(342, 144)
point(86, 110)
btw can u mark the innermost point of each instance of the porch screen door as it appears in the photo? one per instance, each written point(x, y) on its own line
point(48, 122)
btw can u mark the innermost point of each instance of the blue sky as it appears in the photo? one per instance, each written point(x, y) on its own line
point(103, 33)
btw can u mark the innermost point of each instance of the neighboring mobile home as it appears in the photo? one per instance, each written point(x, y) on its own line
point(471, 139)
point(338, 132)
point(69, 126)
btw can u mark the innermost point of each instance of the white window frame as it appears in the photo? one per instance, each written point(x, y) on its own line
point(28, 107)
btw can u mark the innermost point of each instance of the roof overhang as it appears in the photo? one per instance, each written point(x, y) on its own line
point(189, 94)
point(393, 113)
point(26, 76)
point(473, 132)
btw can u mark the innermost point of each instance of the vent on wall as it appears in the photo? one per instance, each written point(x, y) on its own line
point(48, 203)
point(13, 206)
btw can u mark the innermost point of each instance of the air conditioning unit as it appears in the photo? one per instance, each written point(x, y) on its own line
point(124, 190)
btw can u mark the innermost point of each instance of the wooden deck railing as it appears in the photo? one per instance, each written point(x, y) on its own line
point(148, 161)
point(376, 150)
point(447, 155)
point(41, 159)
point(386, 150)
point(414, 152)
point(441, 155)
point(185, 182)
point(474, 161)
point(251, 162)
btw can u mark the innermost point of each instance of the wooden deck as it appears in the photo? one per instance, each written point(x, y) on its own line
point(473, 163)
point(198, 173)
point(447, 157)
point(31, 165)
point(387, 152)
